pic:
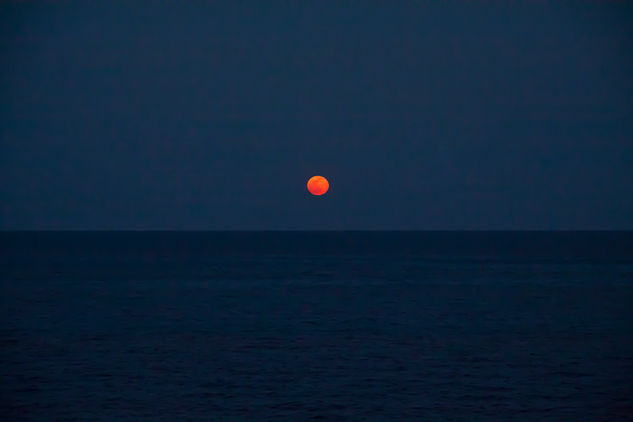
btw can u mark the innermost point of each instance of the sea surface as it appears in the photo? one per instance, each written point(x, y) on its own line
point(334, 326)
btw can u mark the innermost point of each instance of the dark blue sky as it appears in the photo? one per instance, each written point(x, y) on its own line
point(423, 115)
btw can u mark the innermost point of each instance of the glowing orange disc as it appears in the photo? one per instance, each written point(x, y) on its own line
point(318, 185)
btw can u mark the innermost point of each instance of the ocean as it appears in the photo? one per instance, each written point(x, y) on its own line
point(333, 326)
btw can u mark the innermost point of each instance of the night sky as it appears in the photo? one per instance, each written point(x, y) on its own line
point(213, 115)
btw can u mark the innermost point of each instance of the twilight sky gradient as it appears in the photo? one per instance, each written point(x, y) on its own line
point(213, 115)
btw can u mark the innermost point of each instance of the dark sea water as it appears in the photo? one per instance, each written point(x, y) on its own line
point(338, 326)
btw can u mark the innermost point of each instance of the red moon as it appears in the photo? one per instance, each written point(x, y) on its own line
point(318, 185)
